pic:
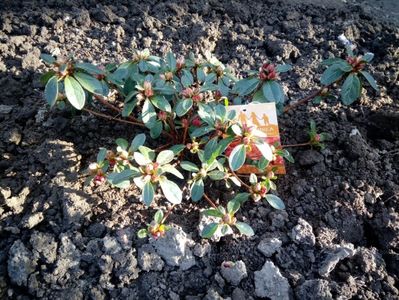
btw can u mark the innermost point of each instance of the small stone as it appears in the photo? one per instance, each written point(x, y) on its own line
point(303, 234)
point(33, 220)
point(333, 256)
point(149, 260)
point(238, 294)
point(44, 246)
point(213, 295)
point(269, 246)
point(20, 264)
point(201, 250)
point(174, 248)
point(270, 283)
point(234, 272)
point(111, 245)
point(5, 109)
point(317, 289)
point(17, 203)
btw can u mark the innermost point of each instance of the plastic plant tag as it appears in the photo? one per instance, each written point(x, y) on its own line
point(263, 117)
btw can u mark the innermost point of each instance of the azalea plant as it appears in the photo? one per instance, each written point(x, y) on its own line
point(187, 104)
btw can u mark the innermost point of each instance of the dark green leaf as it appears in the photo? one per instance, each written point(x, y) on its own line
point(201, 131)
point(156, 129)
point(51, 91)
point(47, 58)
point(161, 103)
point(46, 77)
point(246, 86)
point(74, 92)
point(177, 149)
point(188, 166)
point(122, 143)
point(351, 89)
point(171, 190)
point(209, 230)
point(368, 57)
point(158, 216)
point(212, 212)
point(233, 207)
point(273, 92)
point(244, 228)
point(237, 157)
point(370, 79)
point(241, 197)
point(89, 68)
point(283, 68)
point(210, 150)
point(149, 115)
point(331, 75)
point(183, 106)
point(137, 142)
point(187, 78)
point(148, 193)
point(197, 190)
point(275, 201)
point(101, 155)
point(171, 61)
point(89, 83)
point(217, 175)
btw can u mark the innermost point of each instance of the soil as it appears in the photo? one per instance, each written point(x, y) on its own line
point(339, 235)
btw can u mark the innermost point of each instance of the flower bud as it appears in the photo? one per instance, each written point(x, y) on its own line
point(196, 122)
point(162, 116)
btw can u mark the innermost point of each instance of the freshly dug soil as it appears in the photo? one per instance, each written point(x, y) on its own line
point(339, 235)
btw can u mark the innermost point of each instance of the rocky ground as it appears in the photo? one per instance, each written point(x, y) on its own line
point(337, 239)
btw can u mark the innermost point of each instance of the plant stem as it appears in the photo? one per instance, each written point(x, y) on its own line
point(296, 145)
point(162, 147)
point(168, 213)
point(304, 100)
point(239, 179)
point(211, 203)
point(113, 107)
point(112, 118)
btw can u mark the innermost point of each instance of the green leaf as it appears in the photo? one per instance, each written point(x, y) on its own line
point(197, 190)
point(253, 179)
point(51, 91)
point(259, 97)
point(128, 108)
point(158, 216)
point(171, 190)
point(351, 89)
point(344, 66)
point(273, 92)
point(370, 80)
point(265, 149)
point(237, 157)
point(241, 197)
point(101, 155)
point(233, 207)
point(172, 170)
point(187, 78)
point(201, 131)
point(156, 129)
point(148, 193)
point(141, 159)
point(121, 179)
point(216, 175)
point(201, 75)
point(183, 106)
point(246, 86)
point(177, 149)
point(206, 113)
point(210, 152)
point(89, 68)
point(142, 233)
point(188, 166)
point(331, 75)
point(89, 83)
point(147, 152)
point(368, 57)
point(46, 77)
point(149, 115)
point(331, 61)
point(283, 68)
point(137, 142)
point(122, 143)
point(275, 201)
point(161, 103)
point(47, 58)
point(209, 230)
point(165, 156)
point(244, 228)
point(171, 61)
point(74, 92)
point(212, 212)
point(225, 229)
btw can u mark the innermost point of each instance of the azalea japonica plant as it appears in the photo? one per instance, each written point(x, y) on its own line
point(188, 105)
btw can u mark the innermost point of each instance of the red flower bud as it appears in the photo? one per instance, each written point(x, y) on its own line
point(162, 116)
point(196, 122)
